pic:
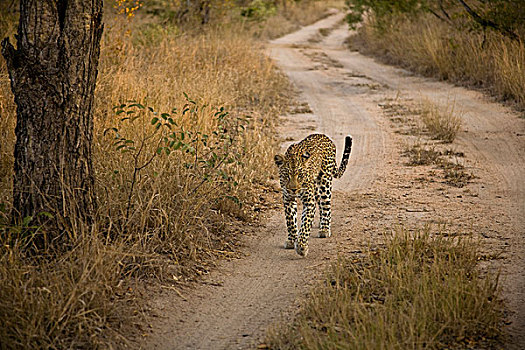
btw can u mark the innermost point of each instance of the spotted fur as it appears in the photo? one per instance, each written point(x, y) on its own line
point(306, 172)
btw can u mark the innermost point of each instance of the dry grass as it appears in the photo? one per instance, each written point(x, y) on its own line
point(420, 155)
point(455, 174)
point(442, 123)
point(429, 46)
point(418, 292)
point(71, 301)
point(168, 218)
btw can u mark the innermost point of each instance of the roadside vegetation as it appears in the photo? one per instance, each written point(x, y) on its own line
point(185, 106)
point(475, 43)
point(417, 291)
point(430, 130)
point(441, 124)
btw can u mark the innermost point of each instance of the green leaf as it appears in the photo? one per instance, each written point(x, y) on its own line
point(137, 105)
point(46, 214)
point(110, 129)
point(26, 221)
point(119, 106)
point(154, 121)
point(189, 99)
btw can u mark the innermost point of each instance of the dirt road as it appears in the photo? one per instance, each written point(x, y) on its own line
point(352, 94)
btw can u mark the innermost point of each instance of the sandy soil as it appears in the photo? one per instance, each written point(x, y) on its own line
point(343, 92)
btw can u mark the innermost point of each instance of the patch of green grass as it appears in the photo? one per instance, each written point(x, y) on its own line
point(416, 292)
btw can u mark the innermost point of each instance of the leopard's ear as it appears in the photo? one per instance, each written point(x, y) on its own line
point(278, 159)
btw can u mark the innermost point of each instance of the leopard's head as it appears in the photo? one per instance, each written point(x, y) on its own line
point(293, 169)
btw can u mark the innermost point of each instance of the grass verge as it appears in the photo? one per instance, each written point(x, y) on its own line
point(429, 46)
point(419, 291)
point(75, 300)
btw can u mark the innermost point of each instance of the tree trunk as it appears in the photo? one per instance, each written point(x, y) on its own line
point(53, 72)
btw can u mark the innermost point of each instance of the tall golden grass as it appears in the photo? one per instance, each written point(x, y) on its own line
point(164, 219)
point(215, 68)
point(432, 47)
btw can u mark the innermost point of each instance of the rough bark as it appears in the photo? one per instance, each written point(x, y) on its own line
point(53, 72)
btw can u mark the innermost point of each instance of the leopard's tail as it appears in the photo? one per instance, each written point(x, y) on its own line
point(348, 148)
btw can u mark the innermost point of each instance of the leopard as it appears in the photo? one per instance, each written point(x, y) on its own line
point(306, 172)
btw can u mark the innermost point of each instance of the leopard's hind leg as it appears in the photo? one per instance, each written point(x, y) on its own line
point(325, 206)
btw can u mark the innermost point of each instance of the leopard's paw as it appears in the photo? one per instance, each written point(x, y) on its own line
point(323, 233)
point(300, 249)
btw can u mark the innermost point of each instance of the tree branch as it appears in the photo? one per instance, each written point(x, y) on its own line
point(488, 23)
point(442, 8)
point(438, 16)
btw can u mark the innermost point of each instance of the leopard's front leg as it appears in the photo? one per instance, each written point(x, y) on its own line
point(307, 218)
point(290, 212)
